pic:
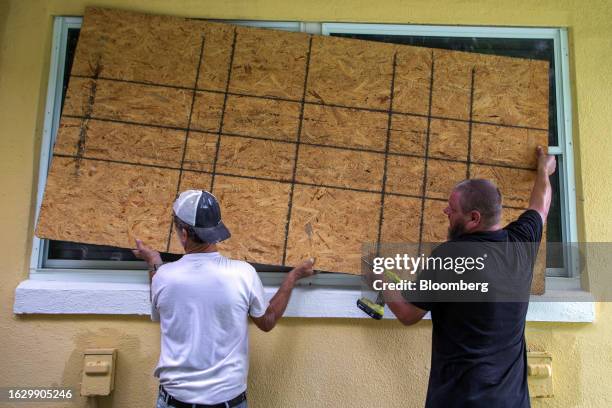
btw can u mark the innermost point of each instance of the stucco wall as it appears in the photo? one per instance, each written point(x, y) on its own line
point(303, 362)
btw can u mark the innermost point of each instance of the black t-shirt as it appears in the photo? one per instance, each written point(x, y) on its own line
point(478, 356)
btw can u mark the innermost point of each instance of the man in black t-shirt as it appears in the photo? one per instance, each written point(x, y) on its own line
point(478, 356)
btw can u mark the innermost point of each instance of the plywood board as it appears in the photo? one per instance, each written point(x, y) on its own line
point(314, 145)
point(331, 225)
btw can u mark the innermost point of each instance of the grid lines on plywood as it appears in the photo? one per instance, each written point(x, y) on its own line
point(312, 144)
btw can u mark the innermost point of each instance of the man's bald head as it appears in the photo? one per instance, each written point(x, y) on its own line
point(483, 196)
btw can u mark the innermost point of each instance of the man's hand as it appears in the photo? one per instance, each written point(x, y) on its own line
point(150, 256)
point(303, 270)
point(546, 162)
point(279, 301)
point(541, 194)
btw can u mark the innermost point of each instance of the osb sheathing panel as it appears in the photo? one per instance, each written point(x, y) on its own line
point(255, 212)
point(251, 157)
point(328, 125)
point(485, 148)
point(449, 139)
point(350, 73)
point(123, 142)
point(408, 135)
point(200, 151)
point(402, 216)
point(314, 145)
point(340, 168)
point(136, 103)
point(269, 63)
point(107, 202)
point(331, 225)
point(265, 118)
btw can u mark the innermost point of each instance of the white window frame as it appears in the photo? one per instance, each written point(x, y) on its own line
point(92, 290)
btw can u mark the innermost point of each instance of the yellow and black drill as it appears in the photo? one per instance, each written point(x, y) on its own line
point(376, 309)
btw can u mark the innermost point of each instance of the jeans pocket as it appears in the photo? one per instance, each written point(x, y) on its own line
point(160, 402)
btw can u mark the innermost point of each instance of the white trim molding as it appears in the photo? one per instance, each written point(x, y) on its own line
point(60, 297)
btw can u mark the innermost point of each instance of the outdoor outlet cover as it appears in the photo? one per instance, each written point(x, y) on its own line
point(98, 372)
point(539, 374)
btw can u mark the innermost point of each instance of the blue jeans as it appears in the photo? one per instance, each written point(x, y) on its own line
point(162, 404)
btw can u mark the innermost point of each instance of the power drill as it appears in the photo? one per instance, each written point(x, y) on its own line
point(376, 309)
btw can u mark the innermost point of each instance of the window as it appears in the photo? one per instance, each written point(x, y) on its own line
point(533, 43)
point(56, 260)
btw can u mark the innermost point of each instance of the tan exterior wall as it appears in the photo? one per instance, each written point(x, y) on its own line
point(303, 362)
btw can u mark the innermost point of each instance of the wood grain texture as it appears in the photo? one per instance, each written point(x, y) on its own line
point(255, 212)
point(405, 175)
point(510, 91)
point(92, 202)
point(150, 91)
point(401, 219)
point(68, 136)
point(214, 68)
point(201, 150)
point(261, 117)
point(412, 80)
point(506, 146)
point(340, 168)
point(344, 127)
point(330, 225)
point(122, 142)
point(250, 157)
point(154, 105)
point(435, 222)
point(350, 73)
point(138, 47)
point(269, 63)
point(452, 83)
point(408, 134)
point(449, 139)
point(207, 109)
point(514, 184)
point(442, 176)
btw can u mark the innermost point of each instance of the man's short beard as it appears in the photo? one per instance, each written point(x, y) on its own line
point(456, 231)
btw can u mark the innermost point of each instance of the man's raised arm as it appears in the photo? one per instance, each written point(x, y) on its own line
point(542, 192)
point(279, 301)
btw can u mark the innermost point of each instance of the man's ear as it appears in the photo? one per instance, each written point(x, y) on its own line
point(475, 219)
point(181, 233)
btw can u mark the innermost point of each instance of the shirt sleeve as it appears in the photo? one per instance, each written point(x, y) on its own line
point(257, 299)
point(155, 287)
point(528, 227)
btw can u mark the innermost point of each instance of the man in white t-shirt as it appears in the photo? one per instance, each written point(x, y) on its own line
point(202, 302)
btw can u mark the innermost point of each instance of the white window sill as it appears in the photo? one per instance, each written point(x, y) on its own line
point(61, 297)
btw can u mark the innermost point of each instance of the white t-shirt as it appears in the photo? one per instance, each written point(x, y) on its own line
point(202, 302)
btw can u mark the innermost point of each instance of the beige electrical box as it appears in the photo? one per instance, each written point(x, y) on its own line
point(539, 374)
point(98, 372)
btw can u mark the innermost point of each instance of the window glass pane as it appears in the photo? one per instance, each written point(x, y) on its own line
point(72, 39)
